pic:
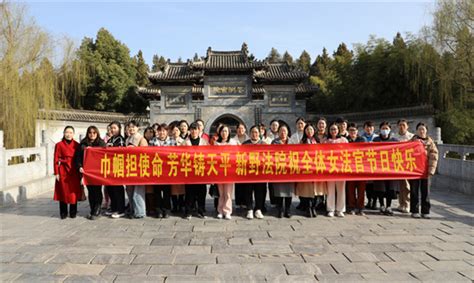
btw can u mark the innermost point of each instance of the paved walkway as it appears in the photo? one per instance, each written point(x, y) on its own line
point(36, 246)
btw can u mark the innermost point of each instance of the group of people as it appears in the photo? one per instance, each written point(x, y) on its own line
point(333, 198)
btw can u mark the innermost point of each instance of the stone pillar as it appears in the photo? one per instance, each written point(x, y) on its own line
point(437, 135)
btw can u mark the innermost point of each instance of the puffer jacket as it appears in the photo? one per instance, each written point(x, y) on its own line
point(431, 151)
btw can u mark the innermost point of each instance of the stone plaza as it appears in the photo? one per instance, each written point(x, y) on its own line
point(36, 246)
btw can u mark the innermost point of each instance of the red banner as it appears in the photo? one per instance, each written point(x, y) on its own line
point(254, 163)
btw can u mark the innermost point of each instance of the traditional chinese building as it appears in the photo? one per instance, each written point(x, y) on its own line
point(227, 87)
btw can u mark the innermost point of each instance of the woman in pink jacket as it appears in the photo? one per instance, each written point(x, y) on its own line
point(335, 188)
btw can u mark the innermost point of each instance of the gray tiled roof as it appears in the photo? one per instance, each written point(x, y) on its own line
point(89, 116)
point(305, 89)
point(176, 72)
point(280, 72)
point(227, 60)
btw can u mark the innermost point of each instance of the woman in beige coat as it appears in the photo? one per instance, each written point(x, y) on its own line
point(423, 185)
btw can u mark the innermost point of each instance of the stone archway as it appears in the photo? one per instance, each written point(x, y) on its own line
point(228, 119)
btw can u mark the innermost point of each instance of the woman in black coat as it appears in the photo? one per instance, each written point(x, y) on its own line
point(116, 193)
point(92, 139)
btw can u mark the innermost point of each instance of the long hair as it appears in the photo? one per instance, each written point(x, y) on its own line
point(119, 126)
point(219, 137)
point(304, 139)
point(89, 141)
point(149, 129)
point(329, 136)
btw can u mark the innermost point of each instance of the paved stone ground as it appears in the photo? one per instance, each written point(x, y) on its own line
point(37, 246)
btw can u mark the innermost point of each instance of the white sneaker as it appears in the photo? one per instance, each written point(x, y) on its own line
point(250, 214)
point(340, 214)
point(258, 214)
point(117, 215)
point(330, 214)
point(219, 216)
point(228, 217)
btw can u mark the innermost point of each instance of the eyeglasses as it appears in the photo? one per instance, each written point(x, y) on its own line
point(333, 130)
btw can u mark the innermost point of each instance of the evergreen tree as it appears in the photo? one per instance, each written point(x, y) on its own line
point(110, 71)
point(158, 63)
point(287, 58)
point(304, 61)
point(274, 56)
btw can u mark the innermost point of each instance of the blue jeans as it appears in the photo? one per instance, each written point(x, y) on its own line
point(138, 200)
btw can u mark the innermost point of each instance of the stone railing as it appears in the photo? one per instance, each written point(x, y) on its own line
point(24, 172)
point(455, 168)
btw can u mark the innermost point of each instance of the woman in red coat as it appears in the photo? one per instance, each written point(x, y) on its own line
point(67, 188)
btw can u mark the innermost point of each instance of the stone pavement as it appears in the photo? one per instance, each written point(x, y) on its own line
point(36, 246)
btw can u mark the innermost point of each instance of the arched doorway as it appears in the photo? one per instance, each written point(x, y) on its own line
point(226, 119)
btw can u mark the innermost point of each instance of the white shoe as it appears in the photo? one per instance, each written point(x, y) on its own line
point(258, 214)
point(330, 214)
point(250, 214)
point(228, 217)
point(117, 215)
point(219, 216)
point(340, 214)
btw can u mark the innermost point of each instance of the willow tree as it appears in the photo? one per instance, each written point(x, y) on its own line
point(28, 79)
point(452, 33)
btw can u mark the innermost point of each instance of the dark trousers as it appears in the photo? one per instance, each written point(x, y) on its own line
point(95, 199)
point(178, 202)
point(384, 190)
point(63, 209)
point(355, 194)
point(319, 203)
point(162, 198)
point(272, 197)
point(307, 203)
point(240, 194)
point(257, 190)
point(369, 191)
point(117, 198)
point(416, 187)
point(280, 200)
point(195, 194)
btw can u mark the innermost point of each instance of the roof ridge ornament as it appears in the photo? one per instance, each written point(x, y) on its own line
point(245, 52)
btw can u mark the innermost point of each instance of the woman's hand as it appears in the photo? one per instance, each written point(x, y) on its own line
point(57, 177)
point(81, 170)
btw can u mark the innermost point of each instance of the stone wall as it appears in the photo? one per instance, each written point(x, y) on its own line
point(455, 174)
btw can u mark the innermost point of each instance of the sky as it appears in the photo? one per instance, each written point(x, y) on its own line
point(181, 29)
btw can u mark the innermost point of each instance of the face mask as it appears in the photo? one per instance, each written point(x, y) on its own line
point(384, 132)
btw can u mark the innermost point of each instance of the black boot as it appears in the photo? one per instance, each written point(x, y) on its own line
point(280, 212)
point(309, 212)
point(312, 207)
point(315, 214)
point(287, 213)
